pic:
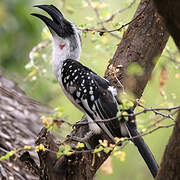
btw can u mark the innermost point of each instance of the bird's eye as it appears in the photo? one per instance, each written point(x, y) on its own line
point(61, 46)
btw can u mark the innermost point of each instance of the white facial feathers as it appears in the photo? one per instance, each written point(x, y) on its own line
point(65, 48)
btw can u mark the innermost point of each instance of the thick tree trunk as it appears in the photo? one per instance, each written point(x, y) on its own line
point(169, 9)
point(142, 43)
point(170, 165)
point(19, 126)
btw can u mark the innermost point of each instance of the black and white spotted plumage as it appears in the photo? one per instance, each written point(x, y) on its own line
point(90, 93)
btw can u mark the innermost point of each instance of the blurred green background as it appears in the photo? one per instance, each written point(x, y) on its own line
point(20, 32)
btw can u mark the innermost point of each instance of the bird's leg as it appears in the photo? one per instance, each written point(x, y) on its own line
point(84, 139)
point(82, 122)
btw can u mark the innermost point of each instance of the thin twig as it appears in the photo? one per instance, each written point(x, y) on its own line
point(149, 132)
point(155, 129)
point(35, 49)
point(117, 29)
point(155, 110)
point(95, 9)
point(111, 17)
point(160, 119)
point(99, 18)
point(123, 141)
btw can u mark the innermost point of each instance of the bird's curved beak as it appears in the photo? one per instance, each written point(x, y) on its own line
point(58, 23)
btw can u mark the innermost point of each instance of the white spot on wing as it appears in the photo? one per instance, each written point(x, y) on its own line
point(90, 92)
point(93, 107)
point(67, 77)
point(92, 98)
point(72, 89)
point(112, 90)
point(78, 94)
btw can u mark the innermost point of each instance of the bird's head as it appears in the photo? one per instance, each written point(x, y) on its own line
point(65, 35)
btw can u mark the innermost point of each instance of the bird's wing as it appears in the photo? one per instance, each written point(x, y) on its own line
point(93, 94)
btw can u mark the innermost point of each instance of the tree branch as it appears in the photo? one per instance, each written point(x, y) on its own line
point(142, 43)
point(170, 165)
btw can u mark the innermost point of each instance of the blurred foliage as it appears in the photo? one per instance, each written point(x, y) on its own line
point(20, 33)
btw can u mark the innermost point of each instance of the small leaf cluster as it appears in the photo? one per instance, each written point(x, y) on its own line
point(39, 148)
point(49, 122)
point(104, 146)
point(66, 150)
point(7, 155)
point(126, 104)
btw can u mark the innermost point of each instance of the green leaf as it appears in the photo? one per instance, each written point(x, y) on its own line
point(107, 149)
point(8, 155)
point(61, 148)
point(98, 149)
point(67, 148)
point(79, 145)
point(118, 114)
point(59, 154)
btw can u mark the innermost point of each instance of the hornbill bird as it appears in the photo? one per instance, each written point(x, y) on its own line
point(90, 93)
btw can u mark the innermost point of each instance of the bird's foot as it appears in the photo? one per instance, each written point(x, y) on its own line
point(80, 123)
point(84, 139)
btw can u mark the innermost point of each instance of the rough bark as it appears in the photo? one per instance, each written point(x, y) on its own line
point(19, 126)
point(170, 165)
point(169, 9)
point(144, 40)
point(142, 43)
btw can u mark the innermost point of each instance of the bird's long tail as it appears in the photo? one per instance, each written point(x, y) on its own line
point(144, 150)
